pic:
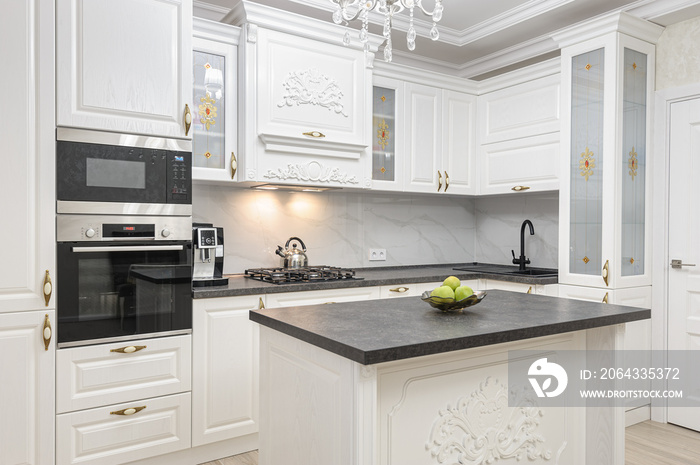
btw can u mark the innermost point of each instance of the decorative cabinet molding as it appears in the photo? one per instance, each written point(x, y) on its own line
point(215, 95)
point(124, 66)
point(305, 111)
point(481, 429)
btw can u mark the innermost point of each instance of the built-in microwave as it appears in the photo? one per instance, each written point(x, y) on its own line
point(112, 168)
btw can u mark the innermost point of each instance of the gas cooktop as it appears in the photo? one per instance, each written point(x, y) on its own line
point(307, 274)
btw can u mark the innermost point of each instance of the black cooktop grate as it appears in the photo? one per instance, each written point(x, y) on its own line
point(306, 274)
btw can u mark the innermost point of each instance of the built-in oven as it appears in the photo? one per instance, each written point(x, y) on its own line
point(121, 277)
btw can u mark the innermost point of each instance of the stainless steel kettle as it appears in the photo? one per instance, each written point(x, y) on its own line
point(293, 258)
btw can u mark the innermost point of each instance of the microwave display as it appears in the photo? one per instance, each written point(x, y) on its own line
point(115, 173)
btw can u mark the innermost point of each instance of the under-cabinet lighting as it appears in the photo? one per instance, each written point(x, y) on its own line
point(290, 188)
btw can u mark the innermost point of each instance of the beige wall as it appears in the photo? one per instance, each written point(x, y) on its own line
point(678, 55)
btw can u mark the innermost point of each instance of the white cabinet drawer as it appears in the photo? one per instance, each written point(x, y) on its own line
point(416, 289)
point(293, 299)
point(92, 376)
point(510, 286)
point(100, 437)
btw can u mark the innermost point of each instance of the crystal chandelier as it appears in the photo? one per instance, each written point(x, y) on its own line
point(350, 10)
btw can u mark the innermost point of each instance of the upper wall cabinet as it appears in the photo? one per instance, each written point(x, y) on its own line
point(519, 135)
point(214, 98)
point(125, 66)
point(310, 104)
point(388, 136)
point(605, 197)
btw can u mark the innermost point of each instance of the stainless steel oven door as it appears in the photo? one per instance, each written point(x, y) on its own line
point(122, 290)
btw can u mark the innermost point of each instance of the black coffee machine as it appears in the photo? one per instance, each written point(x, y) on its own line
point(208, 260)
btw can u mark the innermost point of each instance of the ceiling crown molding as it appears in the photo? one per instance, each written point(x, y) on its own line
point(421, 76)
point(214, 30)
point(284, 21)
point(619, 21)
point(208, 11)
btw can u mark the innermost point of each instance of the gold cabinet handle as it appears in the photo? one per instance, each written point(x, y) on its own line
point(47, 332)
point(188, 119)
point(399, 289)
point(48, 288)
point(439, 181)
point(234, 165)
point(447, 181)
point(261, 304)
point(315, 134)
point(606, 271)
point(128, 349)
point(520, 188)
point(529, 290)
point(326, 303)
point(128, 411)
point(605, 299)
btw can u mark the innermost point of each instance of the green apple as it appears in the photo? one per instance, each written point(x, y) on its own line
point(444, 292)
point(462, 292)
point(452, 282)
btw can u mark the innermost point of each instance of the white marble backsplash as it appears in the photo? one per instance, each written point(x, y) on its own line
point(338, 228)
point(498, 222)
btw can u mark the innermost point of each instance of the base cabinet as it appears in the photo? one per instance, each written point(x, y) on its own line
point(225, 369)
point(112, 435)
point(27, 389)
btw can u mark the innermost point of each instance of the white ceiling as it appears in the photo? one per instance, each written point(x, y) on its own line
point(480, 38)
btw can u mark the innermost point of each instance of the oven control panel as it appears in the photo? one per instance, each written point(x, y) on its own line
point(89, 228)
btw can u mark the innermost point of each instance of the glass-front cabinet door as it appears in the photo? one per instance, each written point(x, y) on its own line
point(387, 134)
point(214, 122)
point(605, 194)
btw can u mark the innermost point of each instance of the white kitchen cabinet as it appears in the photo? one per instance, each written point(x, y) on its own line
point(27, 180)
point(440, 140)
point(126, 432)
point(326, 296)
point(307, 107)
point(519, 137)
point(388, 136)
point(225, 369)
point(214, 101)
point(417, 289)
point(511, 286)
point(102, 374)
point(27, 390)
point(605, 196)
point(125, 66)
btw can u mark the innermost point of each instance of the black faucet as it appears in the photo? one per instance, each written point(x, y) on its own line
point(522, 261)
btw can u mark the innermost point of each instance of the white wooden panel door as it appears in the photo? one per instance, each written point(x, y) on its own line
point(306, 86)
point(124, 66)
point(684, 230)
point(27, 389)
point(459, 142)
point(115, 434)
point(225, 372)
point(424, 138)
point(102, 374)
point(27, 179)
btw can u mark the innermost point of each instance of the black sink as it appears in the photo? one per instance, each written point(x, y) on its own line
point(508, 270)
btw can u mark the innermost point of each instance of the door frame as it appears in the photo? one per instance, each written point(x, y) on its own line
point(664, 98)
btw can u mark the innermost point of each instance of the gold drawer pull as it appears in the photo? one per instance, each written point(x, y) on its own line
point(234, 165)
point(606, 271)
point(48, 288)
point(605, 299)
point(398, 289)
point(520, 188)
point(188, 119)
point(261, 304)
point(316, 134)
point(439, 181)
point(447, 181)
point(326, 303)
point(128, 350)
point(529, 290)
point(128, 411)
point(47, 332)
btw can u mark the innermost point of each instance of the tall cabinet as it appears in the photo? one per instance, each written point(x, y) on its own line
point(27, 305)
point(605, 197)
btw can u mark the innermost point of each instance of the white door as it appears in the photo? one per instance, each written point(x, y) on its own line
point(27, 388)
point(684, 230)
point(423, 135)
point(124, 66)
point(459, 142)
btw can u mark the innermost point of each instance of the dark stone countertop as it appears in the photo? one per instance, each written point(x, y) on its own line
point(376, 331)
point(380, 276)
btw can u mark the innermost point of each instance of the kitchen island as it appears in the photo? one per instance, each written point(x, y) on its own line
point(398, 382)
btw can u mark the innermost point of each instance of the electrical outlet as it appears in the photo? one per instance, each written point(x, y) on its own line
point(377, 255)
